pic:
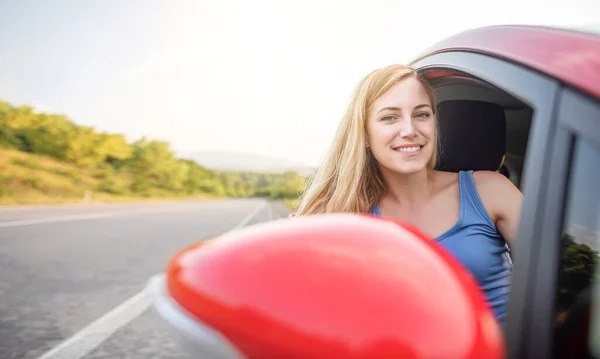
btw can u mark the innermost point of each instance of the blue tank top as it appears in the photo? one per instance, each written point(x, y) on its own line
point(475, 241)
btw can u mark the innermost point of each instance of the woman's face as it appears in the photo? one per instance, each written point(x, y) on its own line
point(401, 128)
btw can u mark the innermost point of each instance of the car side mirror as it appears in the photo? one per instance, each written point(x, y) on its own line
point(325, 286)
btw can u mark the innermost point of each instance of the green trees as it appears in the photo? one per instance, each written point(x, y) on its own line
point(150, 165)
point(577, 272)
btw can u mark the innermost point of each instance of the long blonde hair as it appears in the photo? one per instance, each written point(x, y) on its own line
point(349, 179)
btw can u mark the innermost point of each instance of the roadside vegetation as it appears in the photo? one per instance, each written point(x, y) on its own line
point(292, 203)
point(47, 158)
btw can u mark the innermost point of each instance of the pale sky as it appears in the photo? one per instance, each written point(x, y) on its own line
point(269, 77)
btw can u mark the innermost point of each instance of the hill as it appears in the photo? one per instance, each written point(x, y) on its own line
point(27, 178)
point(47, 158)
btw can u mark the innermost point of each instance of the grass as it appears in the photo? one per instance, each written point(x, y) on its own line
point(33, 179)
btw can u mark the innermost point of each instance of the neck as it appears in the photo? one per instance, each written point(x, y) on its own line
point(407, 190)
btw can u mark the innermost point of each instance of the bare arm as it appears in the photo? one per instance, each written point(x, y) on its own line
point(502, 199)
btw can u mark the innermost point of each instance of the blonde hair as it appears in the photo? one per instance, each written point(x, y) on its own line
point(349, 179)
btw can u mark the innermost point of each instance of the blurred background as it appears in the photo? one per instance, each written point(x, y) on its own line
point(130, 129)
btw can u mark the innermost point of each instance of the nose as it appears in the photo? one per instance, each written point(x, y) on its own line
point(408, 129)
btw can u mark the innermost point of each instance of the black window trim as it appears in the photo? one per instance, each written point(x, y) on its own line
point(542, 297)
point(541, 93)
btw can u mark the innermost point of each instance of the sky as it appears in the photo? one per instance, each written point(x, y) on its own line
point(265, 77)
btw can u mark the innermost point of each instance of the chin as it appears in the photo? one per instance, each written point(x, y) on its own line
point(407, 168)
point(410, 169)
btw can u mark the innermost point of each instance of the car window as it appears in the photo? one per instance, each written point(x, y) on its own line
point(578, 295)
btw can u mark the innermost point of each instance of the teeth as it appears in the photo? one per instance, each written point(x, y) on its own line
point(409, 149)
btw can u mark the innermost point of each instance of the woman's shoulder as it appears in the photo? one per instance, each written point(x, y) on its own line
point(491, 181)
point(497, 192)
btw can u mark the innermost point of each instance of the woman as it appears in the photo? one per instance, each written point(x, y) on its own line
point(382, 162)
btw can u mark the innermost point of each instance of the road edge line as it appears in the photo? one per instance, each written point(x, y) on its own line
point(250, 216)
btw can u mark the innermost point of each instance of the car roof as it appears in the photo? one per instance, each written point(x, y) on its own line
point(571, 55)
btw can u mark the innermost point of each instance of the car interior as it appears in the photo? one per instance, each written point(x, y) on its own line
point(481, 127)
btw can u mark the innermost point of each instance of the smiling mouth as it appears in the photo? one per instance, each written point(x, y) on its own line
point(408, 149)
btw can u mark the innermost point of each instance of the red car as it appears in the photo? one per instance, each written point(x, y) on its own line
point(521, 100)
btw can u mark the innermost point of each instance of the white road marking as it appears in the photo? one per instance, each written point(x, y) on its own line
point(88, 216)
point(90, 337)
point(249, 217)
point(94, 334)
point(74, 217)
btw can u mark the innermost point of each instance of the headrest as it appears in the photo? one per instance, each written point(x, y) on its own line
point(472, 136)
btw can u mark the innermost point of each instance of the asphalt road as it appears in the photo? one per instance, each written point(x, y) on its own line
point(62, 268)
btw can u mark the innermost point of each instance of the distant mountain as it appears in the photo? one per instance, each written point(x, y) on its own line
point(233, 161)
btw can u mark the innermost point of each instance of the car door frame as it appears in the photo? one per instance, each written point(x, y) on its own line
point(577, 118)
point(541, 92)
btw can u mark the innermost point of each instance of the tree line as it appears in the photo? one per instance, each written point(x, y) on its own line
point(150, 164)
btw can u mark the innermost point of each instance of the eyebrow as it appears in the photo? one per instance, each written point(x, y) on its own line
point(391, 108)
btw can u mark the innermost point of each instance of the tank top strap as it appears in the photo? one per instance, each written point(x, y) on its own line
point(470, 199)
point(376, 211)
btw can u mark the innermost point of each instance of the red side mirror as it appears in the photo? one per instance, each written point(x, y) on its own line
point(329, 286)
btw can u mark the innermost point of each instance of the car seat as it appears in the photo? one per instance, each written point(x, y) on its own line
point(472, 136)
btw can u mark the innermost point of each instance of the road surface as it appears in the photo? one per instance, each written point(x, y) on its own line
point(72, 277)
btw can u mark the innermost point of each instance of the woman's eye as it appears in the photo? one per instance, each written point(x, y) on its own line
point(388, 118)
point(422, 115)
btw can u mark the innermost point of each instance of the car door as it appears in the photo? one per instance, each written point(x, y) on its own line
point(566, 301)
point(541, 93)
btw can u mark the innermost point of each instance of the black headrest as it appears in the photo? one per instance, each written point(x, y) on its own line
point(472, 135)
